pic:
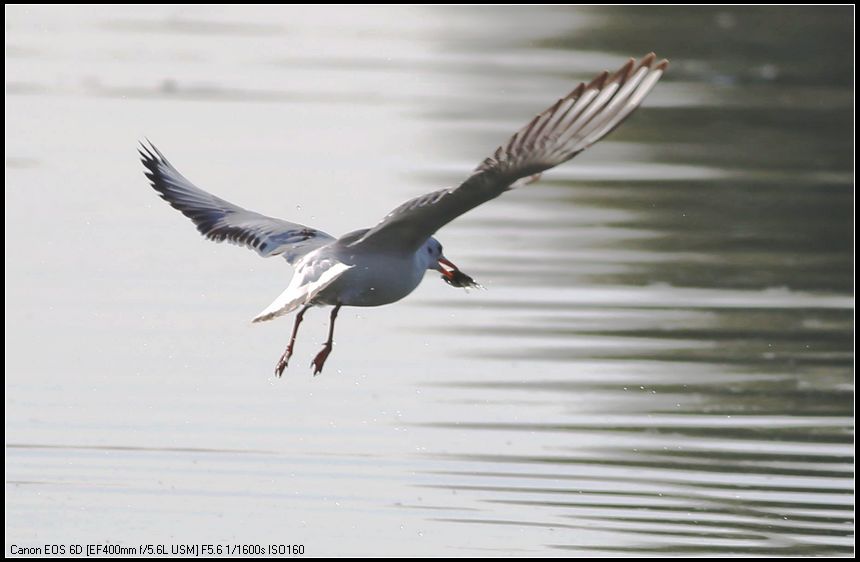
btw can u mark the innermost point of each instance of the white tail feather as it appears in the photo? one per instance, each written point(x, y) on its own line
point(299, 293)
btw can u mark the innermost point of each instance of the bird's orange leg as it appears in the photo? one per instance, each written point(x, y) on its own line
point(285, 358)
point(319, 360)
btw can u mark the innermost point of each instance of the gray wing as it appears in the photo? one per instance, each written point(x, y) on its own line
point(572, 124)
point(221, 220)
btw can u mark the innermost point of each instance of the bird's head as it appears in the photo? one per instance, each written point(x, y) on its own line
point(431, 253)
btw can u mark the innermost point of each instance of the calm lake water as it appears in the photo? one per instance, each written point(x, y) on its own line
point(662, 362)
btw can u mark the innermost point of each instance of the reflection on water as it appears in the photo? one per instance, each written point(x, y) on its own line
point(662, 363)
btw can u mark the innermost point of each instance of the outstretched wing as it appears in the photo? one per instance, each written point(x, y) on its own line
point(572, 124)
point(221, 220)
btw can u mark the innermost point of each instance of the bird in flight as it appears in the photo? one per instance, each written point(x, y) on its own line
point(383, 264)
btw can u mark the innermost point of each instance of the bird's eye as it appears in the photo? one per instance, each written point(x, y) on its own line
point(429, 250)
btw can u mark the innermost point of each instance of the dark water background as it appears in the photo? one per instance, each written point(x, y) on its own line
point(662, 362)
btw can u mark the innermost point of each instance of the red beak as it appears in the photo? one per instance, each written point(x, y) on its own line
point(449, 273)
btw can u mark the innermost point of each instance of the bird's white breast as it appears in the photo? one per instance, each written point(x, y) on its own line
point(373, 280)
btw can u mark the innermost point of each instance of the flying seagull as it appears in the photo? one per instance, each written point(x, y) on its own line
point(383, 264)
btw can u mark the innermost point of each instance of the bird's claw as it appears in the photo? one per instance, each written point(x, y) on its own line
point(319, 360)
point(283, 362)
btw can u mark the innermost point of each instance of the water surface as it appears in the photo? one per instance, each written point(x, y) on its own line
point(662, 362)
